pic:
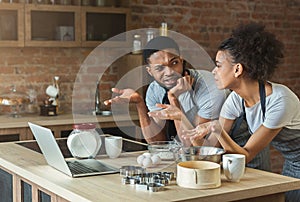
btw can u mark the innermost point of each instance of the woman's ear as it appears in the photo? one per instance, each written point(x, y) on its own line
point(149, 70)
point(238, 69)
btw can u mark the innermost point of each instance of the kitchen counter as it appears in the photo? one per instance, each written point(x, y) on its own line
point(62, 119)
point(30, 166)
point(63, 122)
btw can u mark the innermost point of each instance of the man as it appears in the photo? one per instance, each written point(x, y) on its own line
point(194, 92)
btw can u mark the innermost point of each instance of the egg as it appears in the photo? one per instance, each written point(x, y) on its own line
point(147, 154)
point(155, 159)
point(147, 162)
point(140, 159)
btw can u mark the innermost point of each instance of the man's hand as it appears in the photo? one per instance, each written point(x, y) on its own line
point(168, 112)
point(124, 96)
point(183, 84)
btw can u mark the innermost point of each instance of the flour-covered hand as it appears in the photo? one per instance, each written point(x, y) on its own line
point(168, 112)
point(124, 96)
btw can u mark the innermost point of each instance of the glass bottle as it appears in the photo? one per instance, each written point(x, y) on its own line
point(97, 100)
point(164, 29)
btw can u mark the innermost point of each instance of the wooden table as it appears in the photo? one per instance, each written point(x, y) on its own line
point(30, 167)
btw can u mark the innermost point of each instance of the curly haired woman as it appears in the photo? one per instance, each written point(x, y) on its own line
point(244, 63)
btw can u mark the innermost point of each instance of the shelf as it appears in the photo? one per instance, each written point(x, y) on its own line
point(45, 25)
point(52, 26)
point(11, 25)
point(102, 23)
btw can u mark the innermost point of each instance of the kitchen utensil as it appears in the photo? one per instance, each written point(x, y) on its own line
point(197, 153)
point(198, 174)
point(51, 91)
point(130, 171)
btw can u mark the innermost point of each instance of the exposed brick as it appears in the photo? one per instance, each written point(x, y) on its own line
point(150, 2)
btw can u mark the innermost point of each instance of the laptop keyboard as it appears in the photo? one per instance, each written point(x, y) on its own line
point(78, 168)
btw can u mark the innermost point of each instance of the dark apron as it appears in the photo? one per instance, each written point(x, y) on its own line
point(241, 133)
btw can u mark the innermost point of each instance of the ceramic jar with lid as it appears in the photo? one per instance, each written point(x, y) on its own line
point(84, 141)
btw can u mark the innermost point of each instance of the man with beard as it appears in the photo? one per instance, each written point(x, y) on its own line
point(193, 91)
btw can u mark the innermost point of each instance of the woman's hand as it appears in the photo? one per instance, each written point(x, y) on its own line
point(169, 112)
point(125, 96)
point(197, 134)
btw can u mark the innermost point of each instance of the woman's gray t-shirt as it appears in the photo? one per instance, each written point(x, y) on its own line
point(282, 109)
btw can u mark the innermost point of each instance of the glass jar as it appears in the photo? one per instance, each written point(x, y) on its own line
point(84, 141)
point(14, 102)
point(137, 44)
point(150, 35)
point(32, 106)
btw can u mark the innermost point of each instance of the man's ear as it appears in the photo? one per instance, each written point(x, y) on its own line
point(238, 69)
point(149, 70)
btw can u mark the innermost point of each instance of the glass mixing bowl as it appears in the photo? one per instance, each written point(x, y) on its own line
point(164, 149)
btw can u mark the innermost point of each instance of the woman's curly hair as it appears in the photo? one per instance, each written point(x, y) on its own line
point(256, 49)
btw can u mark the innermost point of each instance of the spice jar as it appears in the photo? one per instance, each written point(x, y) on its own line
point(137, 44)
point(150, 35)
point(84, 141)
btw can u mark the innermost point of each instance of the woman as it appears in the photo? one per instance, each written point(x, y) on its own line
point(244, 63)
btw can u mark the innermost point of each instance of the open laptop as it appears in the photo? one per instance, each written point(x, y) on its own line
point(55, 158)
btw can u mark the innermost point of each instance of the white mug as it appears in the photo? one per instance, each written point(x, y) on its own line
point(51, 91)
point(234, 166)
point(113, 146)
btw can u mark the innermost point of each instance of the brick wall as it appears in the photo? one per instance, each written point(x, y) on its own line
point(205, 21)
point(210, 21)
point(35, 68)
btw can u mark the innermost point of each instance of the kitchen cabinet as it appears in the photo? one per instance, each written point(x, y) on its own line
point(15, 188)
point(6, 184)
point(11, 25)
point(52, 26)
point(101, 23)
point(44, 25)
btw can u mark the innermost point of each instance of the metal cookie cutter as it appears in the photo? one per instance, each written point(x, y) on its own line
point(155, 187)
point(130, 171)
point(125, 180)
point(142, 186)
